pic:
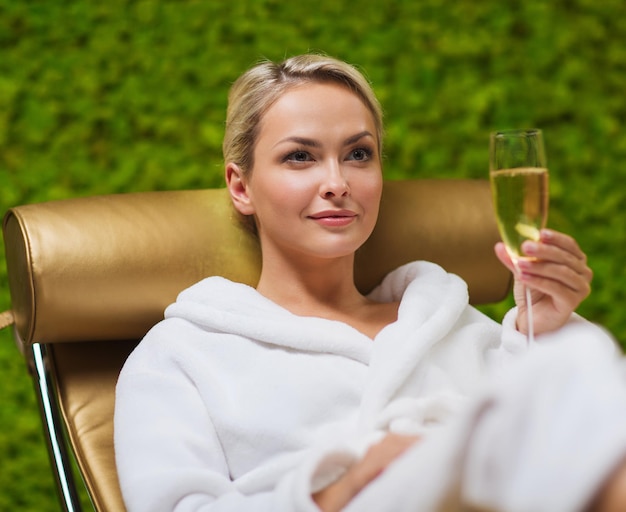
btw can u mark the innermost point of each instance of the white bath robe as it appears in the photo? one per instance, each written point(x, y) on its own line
point(233, 403)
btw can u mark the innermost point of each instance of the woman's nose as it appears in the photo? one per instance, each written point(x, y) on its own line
point(334, 183)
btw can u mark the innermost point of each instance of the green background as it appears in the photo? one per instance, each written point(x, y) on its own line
point(120, 96)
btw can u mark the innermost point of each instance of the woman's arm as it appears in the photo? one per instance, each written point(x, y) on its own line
point(337, 495)
point(167, 451)
point(168, 455)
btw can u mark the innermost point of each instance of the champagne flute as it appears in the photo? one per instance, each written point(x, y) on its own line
point(519, 184)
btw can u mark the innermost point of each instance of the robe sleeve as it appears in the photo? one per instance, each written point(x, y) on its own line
point(577, 330)
point(169, 457)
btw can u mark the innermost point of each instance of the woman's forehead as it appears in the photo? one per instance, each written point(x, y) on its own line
point(317, 106)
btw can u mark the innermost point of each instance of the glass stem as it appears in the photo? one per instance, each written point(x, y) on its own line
point(529, 316)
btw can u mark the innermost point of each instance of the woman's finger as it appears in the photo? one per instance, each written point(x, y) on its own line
point(563, 241)
point(564, 297)
point(576, 279)
point(503, 256)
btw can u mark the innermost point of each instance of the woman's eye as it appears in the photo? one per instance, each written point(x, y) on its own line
point(299, 156)
point(360, 154)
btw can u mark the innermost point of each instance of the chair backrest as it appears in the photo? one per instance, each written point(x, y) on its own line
point(99, 272)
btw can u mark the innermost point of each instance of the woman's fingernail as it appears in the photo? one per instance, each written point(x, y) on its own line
point(530, 247)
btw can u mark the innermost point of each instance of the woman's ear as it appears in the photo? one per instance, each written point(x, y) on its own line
point(238, 188)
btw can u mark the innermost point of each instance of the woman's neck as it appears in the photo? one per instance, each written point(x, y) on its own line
point(311, 288)
point(325, 289)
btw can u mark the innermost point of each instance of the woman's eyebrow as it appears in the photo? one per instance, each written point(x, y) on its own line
point(356, 137)
point(300, 140)
point(312, 143)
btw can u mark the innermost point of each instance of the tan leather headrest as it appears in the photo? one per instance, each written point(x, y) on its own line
point(105, 267)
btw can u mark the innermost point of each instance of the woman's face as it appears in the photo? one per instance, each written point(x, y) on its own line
point(316, 183)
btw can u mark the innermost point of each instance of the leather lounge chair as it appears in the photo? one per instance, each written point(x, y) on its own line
point(89, 276)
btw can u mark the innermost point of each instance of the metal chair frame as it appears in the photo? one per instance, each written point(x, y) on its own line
point(61, 460)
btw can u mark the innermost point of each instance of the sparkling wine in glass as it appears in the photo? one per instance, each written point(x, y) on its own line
point(519, 184)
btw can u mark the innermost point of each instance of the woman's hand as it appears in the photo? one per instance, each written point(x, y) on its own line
point(557, 275)
point(338, 494)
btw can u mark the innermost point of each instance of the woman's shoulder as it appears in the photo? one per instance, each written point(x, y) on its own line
point(210, 287)
point(416, 273)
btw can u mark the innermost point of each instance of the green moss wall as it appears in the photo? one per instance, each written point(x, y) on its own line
point(119, 96)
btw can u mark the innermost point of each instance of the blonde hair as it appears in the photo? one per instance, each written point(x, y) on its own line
point(254, 92)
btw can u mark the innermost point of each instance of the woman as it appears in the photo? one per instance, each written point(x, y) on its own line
point(303, 394)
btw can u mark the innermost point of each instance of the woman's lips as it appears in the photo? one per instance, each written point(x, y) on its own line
point(334, 218)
